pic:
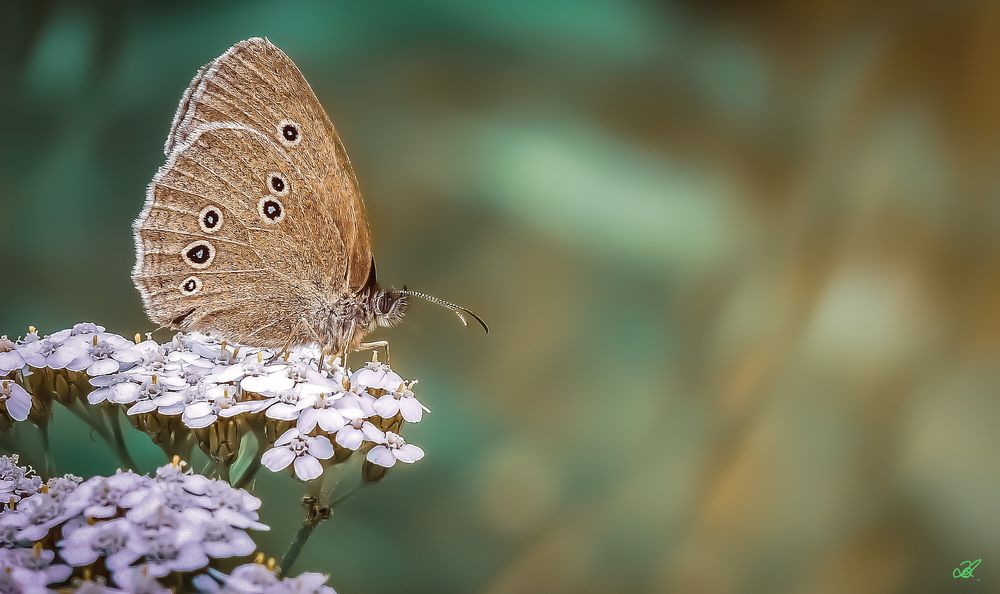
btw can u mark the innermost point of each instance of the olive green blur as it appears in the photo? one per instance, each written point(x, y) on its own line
point(740, 262)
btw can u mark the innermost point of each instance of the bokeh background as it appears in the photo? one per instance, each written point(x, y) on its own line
point(740, 260)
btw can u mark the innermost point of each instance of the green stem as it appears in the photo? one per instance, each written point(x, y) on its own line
point(121, 449)
point(50, 465)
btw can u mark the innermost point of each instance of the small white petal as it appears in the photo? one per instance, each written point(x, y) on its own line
point(277, 459)
point(321, 447)
point(382, 456)
point(408, 453)
point(350, 438)
point(387, 406)
point(411, 409)
point(307, 468)
point(287, 437)
point(143, 406)
point(372, 433)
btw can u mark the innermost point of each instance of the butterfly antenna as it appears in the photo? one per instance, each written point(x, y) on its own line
point(458, 310)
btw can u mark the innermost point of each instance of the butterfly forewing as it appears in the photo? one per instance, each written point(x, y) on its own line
point(255, 84)
point(257, 198)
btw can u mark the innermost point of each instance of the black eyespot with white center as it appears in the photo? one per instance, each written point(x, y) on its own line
point(289, 132)
point(198, 254)
point(190, 286)
point(277, 184)
point(210, 219)
point(271, 210)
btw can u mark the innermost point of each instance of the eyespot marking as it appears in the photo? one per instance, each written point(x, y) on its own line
point(277, 183)
point(289, 132)
point(210, 219)
point(198, 254)
point(271, 210)
point(191, 286)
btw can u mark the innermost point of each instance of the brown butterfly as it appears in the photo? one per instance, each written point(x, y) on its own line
point(254, 228)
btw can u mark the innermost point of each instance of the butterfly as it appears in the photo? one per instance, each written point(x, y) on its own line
point(254, 229)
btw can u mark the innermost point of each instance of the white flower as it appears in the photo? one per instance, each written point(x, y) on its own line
point(221, 402)
point(401, 401)
point(119, 387)
point(353, 434)
point(36, 515)
point(287, 404)
point(393, 448)
point(236, 507)
point(15, 400)
point(303, 450)
point(100, 354)
point(10, 357)
point(330, 412)
point(376, 375)
point(166, 551)
point(153, 395)
point(44, 353)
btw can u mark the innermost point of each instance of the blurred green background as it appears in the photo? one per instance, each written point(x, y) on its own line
point(740, 260)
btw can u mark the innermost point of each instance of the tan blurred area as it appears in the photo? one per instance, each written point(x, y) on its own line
point(740, 261)
point(839, 364)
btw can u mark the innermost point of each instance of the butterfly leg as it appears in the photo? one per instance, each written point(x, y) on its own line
point(374, 346)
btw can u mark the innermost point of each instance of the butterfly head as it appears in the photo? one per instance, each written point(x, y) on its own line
point(388, 307)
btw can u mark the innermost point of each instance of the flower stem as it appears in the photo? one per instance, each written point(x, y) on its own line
point(50, 465)
point(316, 511)
point(121, 449)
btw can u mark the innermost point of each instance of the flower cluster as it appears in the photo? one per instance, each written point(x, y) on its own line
point(135, 530)
point(305, 409)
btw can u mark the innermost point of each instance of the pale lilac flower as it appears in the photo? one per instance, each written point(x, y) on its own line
point(393, 448)
point(32, 570)
point(108, 540)
point(10, 357)
point(121, 388)
point(303, 450)
point(60, 487)
point(82, 329)
point(44, 353)
point(400, 401)
point(166, 551)
point(137, 581)
point(252, 578)
point(153, 395)
point(219, 538)
point(15, 399)
point(101, 354)
point(100, 497)
point(16, 481)
point(36, 515)
point(236, 507)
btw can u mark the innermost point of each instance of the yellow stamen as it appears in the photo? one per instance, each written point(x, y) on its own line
point(32, 330)
point(87, 574)
point(91, 521)
point(138, 338)
point(94, 340)
point(12, 504)
point(260, 357)
point(153, 380)
point(175, 461)
point(44, 489)
point(6, 385)
point(259, 559)
point(374, 355)
point(286, 355)
point(272, 563)
point(37, 548)
point(236, 352)
point(346, 382)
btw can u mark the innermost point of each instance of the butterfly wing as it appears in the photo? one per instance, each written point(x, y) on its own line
point(248, 229)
